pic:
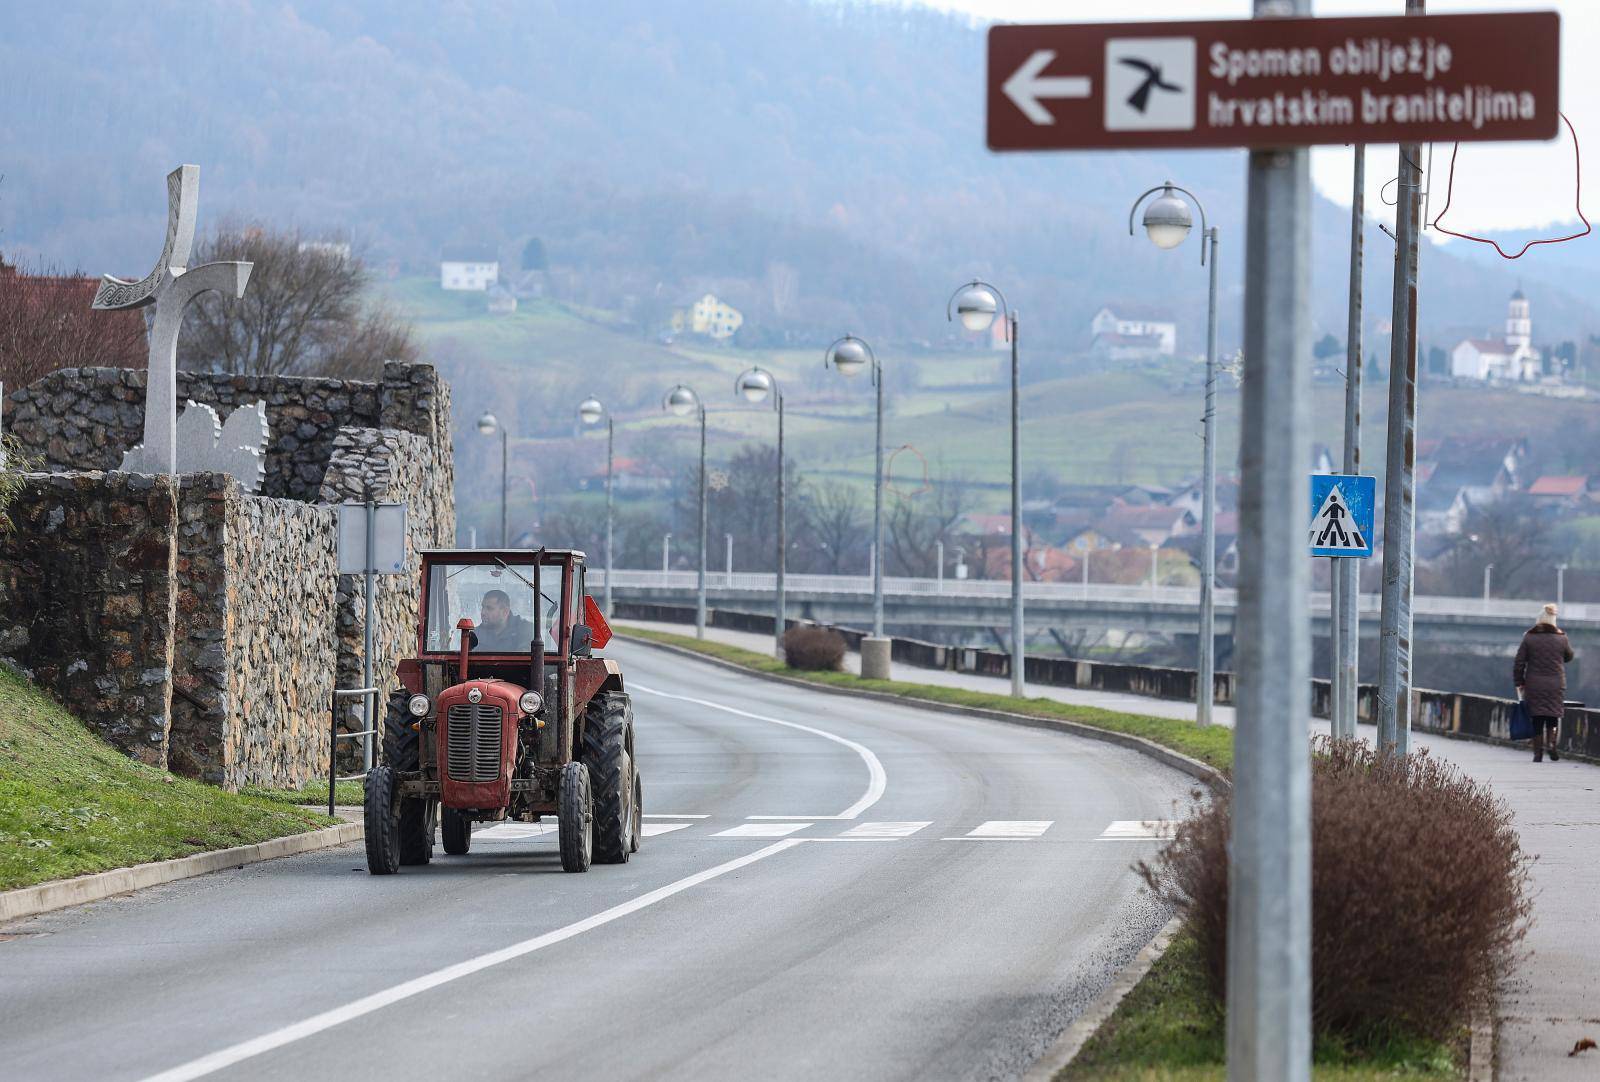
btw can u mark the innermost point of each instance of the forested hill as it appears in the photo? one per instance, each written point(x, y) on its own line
point(820, 164)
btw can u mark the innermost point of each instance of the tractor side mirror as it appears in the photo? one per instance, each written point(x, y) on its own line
point(582, 641)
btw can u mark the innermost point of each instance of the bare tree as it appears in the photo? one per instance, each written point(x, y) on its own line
point(835, 529)
point(306, 312)
point(1507, 533)
point(46, 323)
point(918, 523)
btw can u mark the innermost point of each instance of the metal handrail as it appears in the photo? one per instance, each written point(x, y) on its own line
point(334, 735)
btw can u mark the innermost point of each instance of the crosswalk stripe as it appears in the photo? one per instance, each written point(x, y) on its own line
point(760, 830)
point(650, 830)
point(510, 832)
point(885, 830)
point(1010, 829)
point(1138, 830)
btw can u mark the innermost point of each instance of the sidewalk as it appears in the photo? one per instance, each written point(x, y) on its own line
point(1557, 812)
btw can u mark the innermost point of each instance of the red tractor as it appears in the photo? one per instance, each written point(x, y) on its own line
point(505, 714)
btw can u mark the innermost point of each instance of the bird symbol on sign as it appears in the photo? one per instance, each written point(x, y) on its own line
point(1140, 98)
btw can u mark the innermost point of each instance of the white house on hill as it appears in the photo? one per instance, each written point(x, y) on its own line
point(469, 267)
point(1129, 332)
point(1510, 358)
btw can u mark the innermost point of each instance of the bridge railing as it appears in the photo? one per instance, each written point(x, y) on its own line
point(1143, 594)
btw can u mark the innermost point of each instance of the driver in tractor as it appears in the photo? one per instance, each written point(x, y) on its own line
point(500, 631)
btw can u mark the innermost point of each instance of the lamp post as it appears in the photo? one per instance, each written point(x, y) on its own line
point(487, 426)
point(938, 569)
point(849, 356)
point(977, 303)
point(1488, 577)
point(1155, 559)
point(681, 401)
point(666, 556)
point(1561, 586)
point(589, 412)
point(1167, 222)
point(757, 385)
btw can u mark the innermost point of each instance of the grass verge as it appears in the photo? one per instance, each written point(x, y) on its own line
point(1170, 1029)
point(71, 804)
point(1212, 745)
point(345, 793)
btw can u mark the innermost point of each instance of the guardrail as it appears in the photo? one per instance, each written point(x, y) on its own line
point(334, 735)
point(1184, 596)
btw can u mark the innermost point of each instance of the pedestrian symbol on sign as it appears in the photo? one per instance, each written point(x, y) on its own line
point(1333, 528)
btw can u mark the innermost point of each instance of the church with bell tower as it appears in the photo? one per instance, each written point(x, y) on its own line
point(1511, 357)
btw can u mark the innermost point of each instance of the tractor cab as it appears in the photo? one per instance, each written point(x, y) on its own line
point(506, 712)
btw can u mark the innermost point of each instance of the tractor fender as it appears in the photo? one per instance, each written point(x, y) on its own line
point(594, 675)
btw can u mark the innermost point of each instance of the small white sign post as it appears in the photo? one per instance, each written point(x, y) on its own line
point(372, 542)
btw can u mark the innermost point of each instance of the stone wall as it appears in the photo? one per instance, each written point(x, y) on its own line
point(85, 418)
point(87, 600)
point(256, 645)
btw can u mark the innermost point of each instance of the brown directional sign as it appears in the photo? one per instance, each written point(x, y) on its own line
point(1274, 82)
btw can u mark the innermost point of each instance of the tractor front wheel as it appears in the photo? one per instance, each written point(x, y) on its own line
point(381, 822)
point(456, 830)
point(638, 811)
point(611, 770)
point(575, 816)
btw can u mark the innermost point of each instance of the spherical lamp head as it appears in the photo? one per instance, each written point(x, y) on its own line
point(1167, 220)
point(487, 424)
point(755, 385)
point(976, 307)
point(849, 355)
point(681, 401)
point(590, 411)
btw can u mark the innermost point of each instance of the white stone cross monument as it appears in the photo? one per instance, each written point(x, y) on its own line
point(170, 287)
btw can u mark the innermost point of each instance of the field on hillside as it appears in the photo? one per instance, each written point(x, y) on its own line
point(1082, 421)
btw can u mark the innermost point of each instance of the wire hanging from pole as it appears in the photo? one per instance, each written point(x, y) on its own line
point(1577, 172)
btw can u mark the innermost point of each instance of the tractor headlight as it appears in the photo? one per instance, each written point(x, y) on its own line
point(418, 706)
point(530, 702)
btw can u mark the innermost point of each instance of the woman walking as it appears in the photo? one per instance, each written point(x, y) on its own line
point(1541, 677)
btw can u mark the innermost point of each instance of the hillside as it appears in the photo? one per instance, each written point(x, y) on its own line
point(818, 163)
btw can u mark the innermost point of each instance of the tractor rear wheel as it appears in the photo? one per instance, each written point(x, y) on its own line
point(417, 816)
point(400, 739)
point(605, 752)
point(638, 812)
point(575, 818)
point(381, 822)
point(456, 830)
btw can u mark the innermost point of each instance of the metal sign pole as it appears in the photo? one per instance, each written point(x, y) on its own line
point(1347, 573)
point(1269, 896)
point(1019, 637)
point(371, 563)
point(611, 436)
point(1399, 489)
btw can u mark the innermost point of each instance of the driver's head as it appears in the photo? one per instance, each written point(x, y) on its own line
point(495, 610)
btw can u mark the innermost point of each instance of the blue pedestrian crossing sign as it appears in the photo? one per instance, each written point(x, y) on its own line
point(1341, 514)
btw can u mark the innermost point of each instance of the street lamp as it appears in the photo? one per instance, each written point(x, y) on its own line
point(977, 303)
point(1488, 577)
point(666, 556)
point(589, 412)
point(1167, 222)
point(850, 356)
point(1561, 586)
point(486, 427)
point(757, 385)
point(680, 402)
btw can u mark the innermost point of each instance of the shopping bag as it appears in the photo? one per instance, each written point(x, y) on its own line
point(1521, 721)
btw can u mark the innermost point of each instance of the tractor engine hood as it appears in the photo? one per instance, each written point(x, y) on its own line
point(477, 729)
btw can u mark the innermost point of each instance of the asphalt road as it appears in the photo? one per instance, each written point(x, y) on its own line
point(932, 898)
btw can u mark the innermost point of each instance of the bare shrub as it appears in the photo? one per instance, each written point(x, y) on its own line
point(46, 323)
point(1419, 893)
point(808, 647)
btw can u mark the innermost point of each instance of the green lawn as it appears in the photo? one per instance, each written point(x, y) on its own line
point(71, 804)
point(1212, 745)
point(1170, 1029)
point(315, 791)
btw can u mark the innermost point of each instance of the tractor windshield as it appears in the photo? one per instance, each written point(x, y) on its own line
point(500, 603)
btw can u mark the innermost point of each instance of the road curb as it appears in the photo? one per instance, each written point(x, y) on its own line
point(1174, 759)
point(1071, 1042)
point(60, 893)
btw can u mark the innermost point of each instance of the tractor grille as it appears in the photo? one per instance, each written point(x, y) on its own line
point(473, 740)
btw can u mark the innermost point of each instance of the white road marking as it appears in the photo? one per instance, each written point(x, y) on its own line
point(877, 780)
point(884, 830)
point(648, 815)
point(760, 830)
point(509, 832)
point(651, 830)
point(1010, 829)
point(227, 1057)
point(1139, 829)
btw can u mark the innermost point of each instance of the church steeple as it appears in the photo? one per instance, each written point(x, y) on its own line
point(1519, 322)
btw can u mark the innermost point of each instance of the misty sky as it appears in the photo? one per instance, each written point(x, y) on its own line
point(1520, 186)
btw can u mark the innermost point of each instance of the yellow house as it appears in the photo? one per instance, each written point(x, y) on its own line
point(708, 316)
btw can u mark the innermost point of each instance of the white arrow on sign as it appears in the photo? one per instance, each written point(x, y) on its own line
point(1026, 86)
